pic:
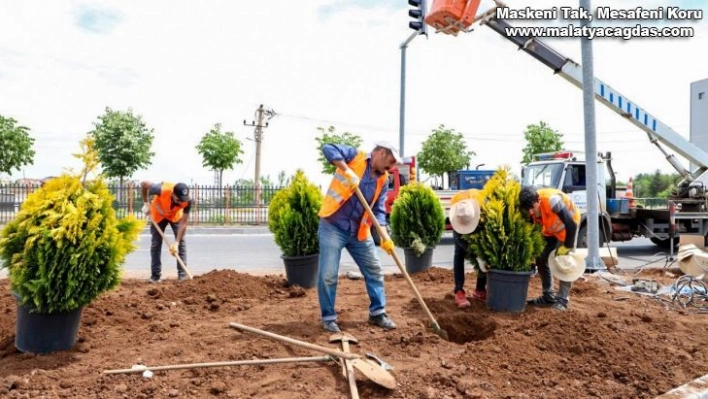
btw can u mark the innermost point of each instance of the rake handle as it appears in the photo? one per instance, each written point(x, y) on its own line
point(221, 364)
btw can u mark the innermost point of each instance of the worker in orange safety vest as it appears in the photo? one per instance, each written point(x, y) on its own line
point(171, 205)
point(344, 223)
point(556, 212)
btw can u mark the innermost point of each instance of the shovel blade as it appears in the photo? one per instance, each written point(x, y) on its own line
point(374, 372)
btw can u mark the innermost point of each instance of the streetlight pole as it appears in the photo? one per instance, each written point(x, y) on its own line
point(593, 261)
point(402, 110)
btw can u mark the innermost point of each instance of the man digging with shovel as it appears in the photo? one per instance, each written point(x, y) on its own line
point(344, 223)
point(559, 216)
point(170, 205)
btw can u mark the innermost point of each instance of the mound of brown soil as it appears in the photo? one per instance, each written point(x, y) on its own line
point(609, 345)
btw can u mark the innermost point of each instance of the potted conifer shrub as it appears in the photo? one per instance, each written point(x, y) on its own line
point(506, 242)
point(62, 250)
point(417, 225)
point(293, 220)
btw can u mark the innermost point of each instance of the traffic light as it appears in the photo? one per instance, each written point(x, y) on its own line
point(418, 13)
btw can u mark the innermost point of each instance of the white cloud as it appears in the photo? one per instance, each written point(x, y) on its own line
point(185, 66)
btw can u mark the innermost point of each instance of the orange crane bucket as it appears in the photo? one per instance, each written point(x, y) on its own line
point(452, 16)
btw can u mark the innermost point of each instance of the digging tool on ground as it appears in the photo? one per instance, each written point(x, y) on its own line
point(367, 367)
point(167, 242)
point(380, 361)
point(433, 323)
point(222, 364)
point(345, 339)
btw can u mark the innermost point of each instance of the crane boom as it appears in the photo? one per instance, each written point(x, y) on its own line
point(572, 72)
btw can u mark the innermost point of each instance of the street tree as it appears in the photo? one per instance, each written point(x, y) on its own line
point(444, 151)
point(330, 136)
point(220, 150)
point(123, 143)
point(540, 138)
point(15, 146)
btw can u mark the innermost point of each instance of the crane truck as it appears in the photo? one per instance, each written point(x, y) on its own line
point(687, 206)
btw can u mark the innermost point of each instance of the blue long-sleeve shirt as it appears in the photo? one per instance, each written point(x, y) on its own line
point(348, 216)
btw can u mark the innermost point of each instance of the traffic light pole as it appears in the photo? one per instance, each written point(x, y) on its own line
point(402, 111)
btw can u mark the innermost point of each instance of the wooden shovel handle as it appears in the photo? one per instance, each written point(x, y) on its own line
point(307, 345)
point(380, 230)
point(179, 260)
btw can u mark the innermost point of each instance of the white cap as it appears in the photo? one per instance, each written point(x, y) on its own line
point(392, 148)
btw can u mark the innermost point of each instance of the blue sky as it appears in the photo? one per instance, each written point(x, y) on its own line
point(185, 66)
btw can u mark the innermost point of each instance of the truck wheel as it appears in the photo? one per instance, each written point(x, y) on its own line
point(583, 237)
point(665, 243)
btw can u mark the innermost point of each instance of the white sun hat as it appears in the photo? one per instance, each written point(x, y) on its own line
point(464, 216)
point(567, 267)
point(392, 148)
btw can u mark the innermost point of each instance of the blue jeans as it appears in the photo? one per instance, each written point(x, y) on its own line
point(332, 241)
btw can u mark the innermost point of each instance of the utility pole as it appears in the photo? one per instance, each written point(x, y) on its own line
point(261, 114)
point(418, 25)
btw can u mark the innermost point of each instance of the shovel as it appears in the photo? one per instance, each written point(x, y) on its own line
point(221, 364)
point(433, 324)
point(371, 369)
point(179, 260)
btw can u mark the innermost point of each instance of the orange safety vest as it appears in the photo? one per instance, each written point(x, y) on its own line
point(552, 224)
point(161, 206)
point(339, 192)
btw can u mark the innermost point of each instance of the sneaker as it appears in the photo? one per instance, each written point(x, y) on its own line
point(331, 326)
point(544, 300)
point(182, 277)
point(153, 280)
point(559, 306)
point(479, 295)
point(382, 321)
point(461, 300)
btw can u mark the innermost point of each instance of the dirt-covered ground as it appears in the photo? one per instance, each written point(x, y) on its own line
point(611, 344)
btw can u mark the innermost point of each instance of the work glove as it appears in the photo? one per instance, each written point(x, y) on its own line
point(173, 249)
point(352, 178)
point(146, 209)
point(386, 243)
point(563, 250)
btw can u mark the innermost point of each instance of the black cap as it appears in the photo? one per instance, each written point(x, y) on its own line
point(181, 191)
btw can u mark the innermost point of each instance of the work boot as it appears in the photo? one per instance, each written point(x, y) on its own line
point(461, 300)
point(181, 276)
point(153, 280)
point(382, 321)
point(479, 295)
point(331, 326)
point(545, 300)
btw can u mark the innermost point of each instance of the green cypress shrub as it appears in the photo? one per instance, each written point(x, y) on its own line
point(505, 238)
point(417, 218)
point(65, 246)
point(292, 217)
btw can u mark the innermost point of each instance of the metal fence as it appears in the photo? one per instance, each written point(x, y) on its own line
point(213, 205)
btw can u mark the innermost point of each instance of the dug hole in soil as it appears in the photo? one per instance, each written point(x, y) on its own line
point(609, 344)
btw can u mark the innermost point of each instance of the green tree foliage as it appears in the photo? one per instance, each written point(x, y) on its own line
point(504, 238)
point(654, 185)
point(15, 146)
point(123, 143)
point(417, 218)
point(292, 217)
point(66, 245)
point(220, 150)
point(540, 138)
point(443, 151)
point(330, 136)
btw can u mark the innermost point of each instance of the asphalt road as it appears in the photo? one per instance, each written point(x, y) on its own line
point(256, 253)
